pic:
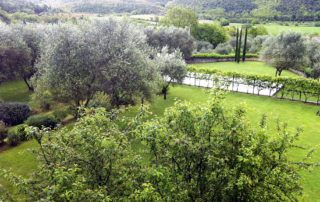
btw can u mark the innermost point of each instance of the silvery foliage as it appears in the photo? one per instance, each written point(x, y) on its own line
point(284, 51)
point(312, 53)
point(257, 42)
point(110, 56)
point(171, 65)
point(223, 49)
point(14, 52)
point(204, 47)
point(172, 37)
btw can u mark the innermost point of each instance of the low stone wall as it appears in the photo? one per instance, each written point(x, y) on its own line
point(298, 72)
point(210, 60)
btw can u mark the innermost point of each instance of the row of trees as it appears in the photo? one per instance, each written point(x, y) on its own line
point(70, 63)
point(285, 10)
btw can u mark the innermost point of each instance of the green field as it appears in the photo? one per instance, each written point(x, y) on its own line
point(248, 67)
point(275, 29)
point(14, 92)
point(296, 114)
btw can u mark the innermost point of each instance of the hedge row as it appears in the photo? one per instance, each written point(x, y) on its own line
point(286, 84)
point(218, 56)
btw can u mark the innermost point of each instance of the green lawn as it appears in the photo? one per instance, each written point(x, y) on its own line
point(275, 29)
point(248, 67)
point(16, 91)
point(296, 114)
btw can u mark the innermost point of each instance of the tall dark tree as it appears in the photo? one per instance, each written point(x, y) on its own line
point(245, 45)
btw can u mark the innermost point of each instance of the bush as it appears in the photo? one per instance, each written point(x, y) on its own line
point(223, 49)
point(204, 47)
point(20, 130)
point(42, 121)
point(257, 30)
point(60, 114)
point(13, 138)
point(14, 113)
point(3, 132)
point(224, 22)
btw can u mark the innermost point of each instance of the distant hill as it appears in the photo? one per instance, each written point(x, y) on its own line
point(303, 10)
point(13, 6)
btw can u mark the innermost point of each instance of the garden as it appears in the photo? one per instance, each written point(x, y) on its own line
point(87, 115)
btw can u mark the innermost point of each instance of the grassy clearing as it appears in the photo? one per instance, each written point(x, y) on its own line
point(16, 91)
point(248, 67)
point(294, 113)
point(275, 29)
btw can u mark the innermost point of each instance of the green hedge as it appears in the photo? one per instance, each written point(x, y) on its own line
point(42, 121)
point(218, 56)
point(287, 84)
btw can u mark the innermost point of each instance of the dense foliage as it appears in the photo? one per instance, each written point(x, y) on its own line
point(212, 33)
point(171, 37)
point(284, 51)
point(42, 121)
point(14, 113)
point(192, 153)
point(19, 51)
point(79, 60)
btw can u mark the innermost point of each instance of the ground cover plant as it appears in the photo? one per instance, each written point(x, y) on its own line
point(295, 114)
point(249, 67)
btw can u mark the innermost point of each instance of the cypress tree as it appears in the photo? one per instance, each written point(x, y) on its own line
point(236, 50)
point(239, 46)
point(245, 45)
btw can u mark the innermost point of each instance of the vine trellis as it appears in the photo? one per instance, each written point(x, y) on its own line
point(299, 89)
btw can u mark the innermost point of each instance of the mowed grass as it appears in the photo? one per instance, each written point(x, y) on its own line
point(276, 29)
point(296, 114)
point(16, 91)
point(249, 67)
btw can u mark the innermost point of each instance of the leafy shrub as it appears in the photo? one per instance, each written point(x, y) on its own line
point(13, 138)
point(42, 121)
point(3, 132)
point(100, 99)
point(224, 22)
point(14, 113)
point(60, 114)
point(204, 47)
point(257, 30)
point(20, 130)
point(223, 49)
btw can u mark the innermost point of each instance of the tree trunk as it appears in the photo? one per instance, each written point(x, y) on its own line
point(29, 86)
point(165, 95)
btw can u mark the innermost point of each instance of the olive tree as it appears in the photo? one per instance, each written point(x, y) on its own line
point(15, 55)
point(172, 68)
point(284, 51)
point(171, 37)
point(109, 56)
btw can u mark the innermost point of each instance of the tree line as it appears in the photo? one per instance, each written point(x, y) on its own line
point(70, 63)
